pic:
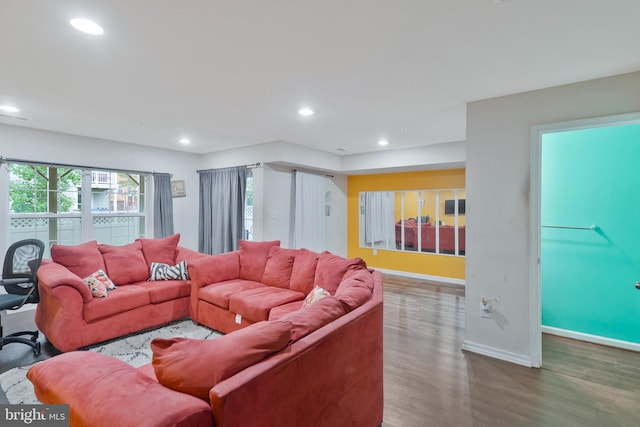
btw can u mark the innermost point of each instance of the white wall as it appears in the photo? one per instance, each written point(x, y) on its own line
point(498, 208)
point(436, 156)
point(42, 146)
point(272, 181)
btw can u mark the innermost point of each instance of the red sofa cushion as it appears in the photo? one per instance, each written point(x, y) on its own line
point(119, 300)
point(314, 316)
point(304, 271)
point(195, 366)
point(277, 271)
point(162, 251)
point(253, 258)
point(99, 389)
point(125, 264)
point(220, 293)
point(81, 260)
point(255, 304)
point(331, 268)
point(166, 290)
point(355, 289)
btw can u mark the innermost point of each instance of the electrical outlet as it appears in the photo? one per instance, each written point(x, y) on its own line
point(485, 308)
point(375, 252)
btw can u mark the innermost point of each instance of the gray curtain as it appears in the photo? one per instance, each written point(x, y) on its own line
point(222, 193)
point(162, 205)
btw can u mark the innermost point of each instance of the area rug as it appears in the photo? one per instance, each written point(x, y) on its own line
point(133, 349)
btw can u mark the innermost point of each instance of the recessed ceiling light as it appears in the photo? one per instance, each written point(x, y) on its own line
point(86, 26)
point(305, 112)
point(383, 142)
point(185, 141)
point(8, 109)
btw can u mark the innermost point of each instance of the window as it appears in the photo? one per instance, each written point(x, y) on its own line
point(248, 207)
point(417, 221)
point(49, 203)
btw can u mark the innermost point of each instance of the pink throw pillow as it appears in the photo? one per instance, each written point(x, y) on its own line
point(194, 366)
point(316, 294)
point(82, 260)
point(277, 272)
point(97, 288)
point(125, 264)
point(331, 268)
point(162, 251)
point(253, 258)
point(304, 271)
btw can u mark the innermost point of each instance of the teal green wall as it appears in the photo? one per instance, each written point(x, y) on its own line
point(591, 177)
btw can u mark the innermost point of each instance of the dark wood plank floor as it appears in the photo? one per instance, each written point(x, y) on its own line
point(429, 381)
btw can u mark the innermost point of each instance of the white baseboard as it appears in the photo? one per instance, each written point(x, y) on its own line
point(496, 353)
point(596, 339)
point(440, 279)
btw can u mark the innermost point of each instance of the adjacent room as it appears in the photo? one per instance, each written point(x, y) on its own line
point(410, 213)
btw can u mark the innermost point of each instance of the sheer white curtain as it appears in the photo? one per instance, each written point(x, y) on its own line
point(310, 221)
point(379, 228)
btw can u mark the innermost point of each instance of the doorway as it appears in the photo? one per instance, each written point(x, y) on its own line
point(585, 230)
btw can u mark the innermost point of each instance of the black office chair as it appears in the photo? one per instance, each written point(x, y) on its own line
point(20, 279)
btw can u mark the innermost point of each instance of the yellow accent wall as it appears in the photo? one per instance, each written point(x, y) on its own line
point(422, 263)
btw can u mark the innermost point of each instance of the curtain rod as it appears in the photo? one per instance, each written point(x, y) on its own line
point(313, 173)
point(71, 166)
point(251, 166)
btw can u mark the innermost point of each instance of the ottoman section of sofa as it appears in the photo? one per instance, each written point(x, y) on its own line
point(104, 391)
point(255, 304)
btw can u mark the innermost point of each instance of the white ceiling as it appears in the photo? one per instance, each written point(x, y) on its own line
point(234, 73)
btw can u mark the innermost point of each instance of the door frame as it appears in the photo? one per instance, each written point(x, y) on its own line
point(535, 288)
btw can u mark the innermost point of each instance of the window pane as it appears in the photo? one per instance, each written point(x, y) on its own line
point(118, 230)
point(65, 231)
point(43, 189)
point(248, 208)
point(116, 192)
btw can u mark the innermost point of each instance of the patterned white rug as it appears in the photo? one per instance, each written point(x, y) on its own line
point(133, 349)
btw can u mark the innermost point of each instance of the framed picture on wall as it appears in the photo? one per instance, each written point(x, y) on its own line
point(178, 188)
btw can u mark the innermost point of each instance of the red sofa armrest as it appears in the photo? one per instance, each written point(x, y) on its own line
point(52, 275)
point(214, 268)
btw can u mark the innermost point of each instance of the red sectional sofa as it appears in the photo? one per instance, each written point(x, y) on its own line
point(70, 316)
point(298, 362)
point(427, 234)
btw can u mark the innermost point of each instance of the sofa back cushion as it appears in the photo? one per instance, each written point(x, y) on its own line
point(331, 268)
point(355, 289)
point(125, 264)
point(161, 251)
point(314, 316)
point(82, 260)
point(253, 258)
point(194, 366)
point(277, 271)
point(304, 271)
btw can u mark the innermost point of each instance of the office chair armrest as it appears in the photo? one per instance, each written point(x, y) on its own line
point(13, 285)
point(53, 275)
point(14, 281)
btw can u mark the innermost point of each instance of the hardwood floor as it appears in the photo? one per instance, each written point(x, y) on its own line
point(430, 381)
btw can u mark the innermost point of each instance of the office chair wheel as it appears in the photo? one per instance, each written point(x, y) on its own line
point(37, 349)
